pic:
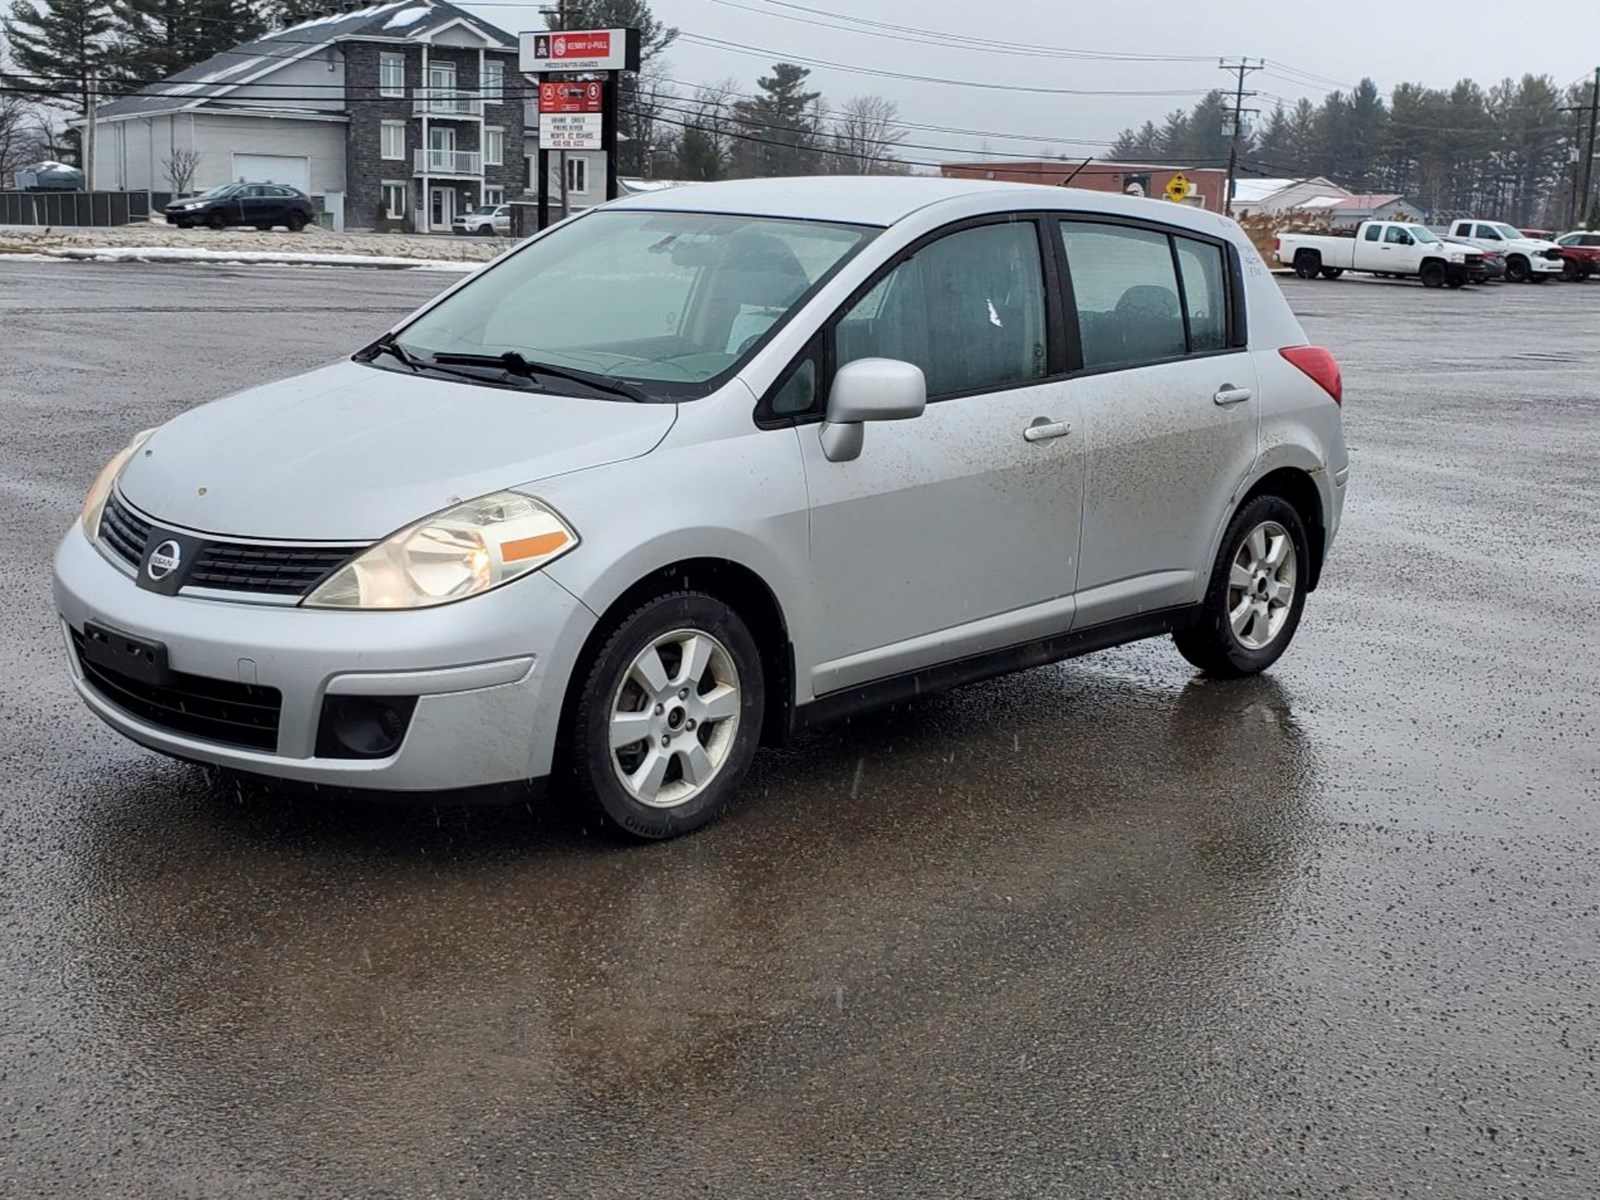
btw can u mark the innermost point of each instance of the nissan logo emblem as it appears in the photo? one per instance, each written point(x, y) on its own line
point(164, 560)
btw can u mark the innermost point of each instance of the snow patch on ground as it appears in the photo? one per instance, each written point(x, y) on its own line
point(174, 254)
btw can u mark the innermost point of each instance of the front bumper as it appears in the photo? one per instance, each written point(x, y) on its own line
point(490, 673)
point(1545, 266)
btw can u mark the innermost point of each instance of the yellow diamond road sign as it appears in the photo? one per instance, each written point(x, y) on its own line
point(1177, 188)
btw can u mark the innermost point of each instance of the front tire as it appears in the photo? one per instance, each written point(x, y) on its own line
point(217, 221)
point(1433, 274)
point(667, 718)
point(1257, 592)
point(1517, 269)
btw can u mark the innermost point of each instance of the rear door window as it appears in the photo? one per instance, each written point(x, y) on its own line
point(1125, 284)
point(1202, 271)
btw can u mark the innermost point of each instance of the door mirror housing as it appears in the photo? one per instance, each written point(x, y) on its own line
point(869, 389)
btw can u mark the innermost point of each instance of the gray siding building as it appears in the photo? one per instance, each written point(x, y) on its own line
point(398, 116)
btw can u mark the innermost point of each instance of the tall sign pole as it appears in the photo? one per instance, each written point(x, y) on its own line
point(1241, 68)
point(1588, 162)
point(578, 113)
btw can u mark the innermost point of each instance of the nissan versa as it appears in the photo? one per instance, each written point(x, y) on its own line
point(700, 468)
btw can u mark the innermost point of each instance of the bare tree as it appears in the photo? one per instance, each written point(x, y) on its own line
point(706, 131)
point(180, 171)
point(865, 133)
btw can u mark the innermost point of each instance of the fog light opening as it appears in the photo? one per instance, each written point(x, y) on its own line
point(363, 726)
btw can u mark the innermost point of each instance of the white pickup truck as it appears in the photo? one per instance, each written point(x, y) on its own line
point(1528, 260)
point(1383, 248)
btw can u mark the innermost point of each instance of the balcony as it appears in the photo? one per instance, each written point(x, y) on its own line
point(447, 102)
point(466, 163)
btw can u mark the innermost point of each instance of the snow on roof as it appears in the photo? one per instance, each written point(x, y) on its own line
point(408, 16)
point(332, 18)
point(1368, 200)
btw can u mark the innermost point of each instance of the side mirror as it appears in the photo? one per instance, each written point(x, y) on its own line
point(869, 389)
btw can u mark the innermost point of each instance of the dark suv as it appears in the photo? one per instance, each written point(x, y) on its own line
point(260, 204)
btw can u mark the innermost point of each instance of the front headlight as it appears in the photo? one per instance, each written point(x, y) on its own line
point(457, 553)
point(94, 500)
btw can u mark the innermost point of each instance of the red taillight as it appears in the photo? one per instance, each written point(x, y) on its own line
point(1320, 366)
point(1277, 243)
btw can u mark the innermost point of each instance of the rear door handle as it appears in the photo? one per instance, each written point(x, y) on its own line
point(1228, 394)
point(1044, 428)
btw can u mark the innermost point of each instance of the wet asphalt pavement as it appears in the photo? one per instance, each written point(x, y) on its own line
point(1097, 930)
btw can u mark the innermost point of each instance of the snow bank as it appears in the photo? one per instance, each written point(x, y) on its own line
point(184, 254)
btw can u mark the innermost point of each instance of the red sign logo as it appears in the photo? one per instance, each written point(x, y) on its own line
point(570, 97)
point(580, 45)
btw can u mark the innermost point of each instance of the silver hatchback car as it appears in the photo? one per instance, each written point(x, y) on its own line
point(702, 468)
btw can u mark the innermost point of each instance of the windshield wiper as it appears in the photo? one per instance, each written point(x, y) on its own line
point(387, 344)
point(514, 363)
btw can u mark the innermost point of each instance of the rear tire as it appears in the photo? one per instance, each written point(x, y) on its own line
point(683, 671)
point(1307, 263)
point(1540, 277)
point(1257, 592)
point(1332, 272)
point(296, 223)
point(1433, 274)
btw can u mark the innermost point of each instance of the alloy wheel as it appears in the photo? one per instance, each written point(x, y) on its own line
point(1261, 585)
point(674, 718)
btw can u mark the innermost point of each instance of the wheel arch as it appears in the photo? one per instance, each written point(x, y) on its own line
point(1295, 485)
point(741, 589)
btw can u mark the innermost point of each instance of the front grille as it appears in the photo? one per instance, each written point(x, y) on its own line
point(1553, 255)
point(235, 714)
point(259, 567)
point(274, 570)
point(124, 531)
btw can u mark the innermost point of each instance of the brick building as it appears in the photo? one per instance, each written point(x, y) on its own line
point(1207, 183)
point(400, 115)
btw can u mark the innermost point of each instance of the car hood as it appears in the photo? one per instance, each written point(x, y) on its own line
point(352, 453)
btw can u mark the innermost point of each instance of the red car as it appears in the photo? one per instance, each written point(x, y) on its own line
point(1580, 254)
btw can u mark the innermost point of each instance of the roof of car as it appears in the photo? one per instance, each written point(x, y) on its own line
point(880, 200)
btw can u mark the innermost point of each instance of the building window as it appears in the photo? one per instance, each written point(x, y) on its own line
point(494, 195)
point(494, 147)
point(392, 75)
point(393, 140)
point(394, 201)
point(578, 175)
point(494, 82)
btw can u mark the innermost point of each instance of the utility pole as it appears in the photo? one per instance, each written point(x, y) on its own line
point(1588, 161)
point(90, 103)
point(1240, 67)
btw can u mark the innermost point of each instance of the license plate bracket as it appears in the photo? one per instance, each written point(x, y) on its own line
point(134, 657)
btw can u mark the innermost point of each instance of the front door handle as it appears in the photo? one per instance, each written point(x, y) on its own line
point(1043, 428)
point(1228, 394)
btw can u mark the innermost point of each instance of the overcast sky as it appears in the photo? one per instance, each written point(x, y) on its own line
point(1480, 39)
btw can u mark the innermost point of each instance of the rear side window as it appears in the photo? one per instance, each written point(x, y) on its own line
point(1205, 293)
point(1373, 233)
point(969, 309)
point(1126, 288)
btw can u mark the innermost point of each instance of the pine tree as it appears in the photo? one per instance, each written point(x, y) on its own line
point(780, 126)
point(157, 38)
point(62, 53)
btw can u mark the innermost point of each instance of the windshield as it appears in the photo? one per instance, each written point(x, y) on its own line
point(1507, 232)
point(670, 300)
point(486, 210)
point(218, 192)
point(1421, 234)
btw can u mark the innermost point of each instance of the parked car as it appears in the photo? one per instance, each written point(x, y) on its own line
point(1580, 254)
point(1528, 260)
point(1393, 248)
point(486, 219)
point(263, 205)
point(704, 467)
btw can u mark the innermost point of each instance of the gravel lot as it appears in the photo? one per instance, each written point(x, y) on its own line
point(1097, 930)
